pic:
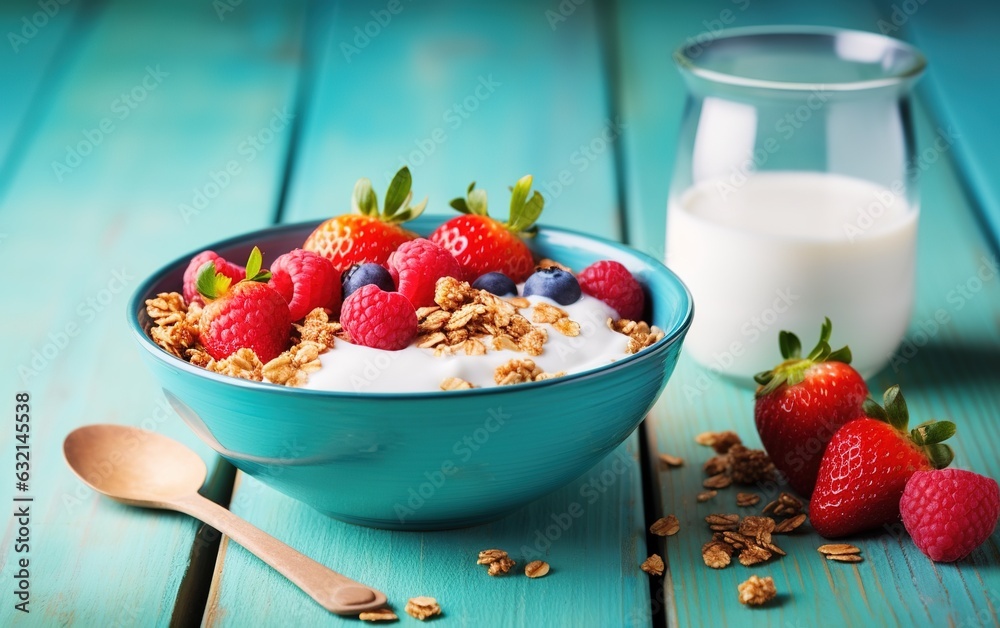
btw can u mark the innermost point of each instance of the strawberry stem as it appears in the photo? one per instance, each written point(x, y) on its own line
point(524, 210)
point(793, 369)
point(397, 207)
point(254, 273)
point(928, 436)
point(211, 284)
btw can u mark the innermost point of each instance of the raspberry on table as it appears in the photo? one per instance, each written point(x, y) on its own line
point(197, 263)
point(949, 512)
point(378, 319)
point(417, 265)
point(612, 283)
point(306, 280)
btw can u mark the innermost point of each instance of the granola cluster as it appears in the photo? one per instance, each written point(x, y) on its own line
point(757, 591)
point(640, 334)
point(733, 462)
point(496, 560)
point(422, 607)
point(176, 329)
point(464, 316)
point(518, 371)
point(176, 324)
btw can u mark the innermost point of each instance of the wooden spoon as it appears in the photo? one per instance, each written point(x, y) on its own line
point(143, 468)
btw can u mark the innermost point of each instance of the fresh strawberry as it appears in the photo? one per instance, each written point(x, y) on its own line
point(482, 244)
point(367, 235)
point(612, 283)
point(950, 512)
point(417, 265)
point(378, 319)
point(867, 464)
point(195, 266)
point(802, 402)
point(306, 280)
point(248, 314)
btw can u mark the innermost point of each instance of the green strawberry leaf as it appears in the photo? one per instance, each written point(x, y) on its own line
point(872, 410)
point(793, 367)
point(413, 212)
point(473, 203)
point(398, 192)
point(254, 263)
point(789, 345)
point(939, 455)
point(531, 212)
point(842, 354)
point(764, 377)
point(518, 196)
point(477, 202)
point(820, 352)
point(895, 407)
point(825, 330)
point(460, 205)
point(211, 284)
point(254, 273)
point(933, 432)
point(364, 200)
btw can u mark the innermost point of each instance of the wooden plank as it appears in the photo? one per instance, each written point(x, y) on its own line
point(461, 94)
point(957, 86)
point(33, 35)
point(360, 117)
point(594, 580)
point(91, 237)
point(947, 377)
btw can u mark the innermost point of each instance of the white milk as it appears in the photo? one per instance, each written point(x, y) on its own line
point(782, 251)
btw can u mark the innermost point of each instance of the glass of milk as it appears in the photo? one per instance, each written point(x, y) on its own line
point(794, 195)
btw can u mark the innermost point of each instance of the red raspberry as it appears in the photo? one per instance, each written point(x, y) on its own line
point(250, 314)
point(306, 280)
point(949, 512)
point(417, 265)
point(612, 283)
point(378, 319)
point(233, 271)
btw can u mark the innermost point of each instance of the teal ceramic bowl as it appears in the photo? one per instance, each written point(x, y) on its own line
point(433, 460)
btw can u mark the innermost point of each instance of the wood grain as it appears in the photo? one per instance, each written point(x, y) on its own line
point(952, 376)
point(90, 238)
point(460, 93)
point(359, 118)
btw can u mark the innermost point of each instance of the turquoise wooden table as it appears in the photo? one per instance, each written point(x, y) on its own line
point(117, 118)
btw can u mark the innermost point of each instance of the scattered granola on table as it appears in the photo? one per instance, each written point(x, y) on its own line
point(536, 569)
point(757, 591)
point(422, 607)
point(496, 560)
point(653, 565)
point(666, 526)
point(379, 614)
point(671, 461)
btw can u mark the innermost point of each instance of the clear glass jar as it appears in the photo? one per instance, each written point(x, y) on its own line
point(794, 195)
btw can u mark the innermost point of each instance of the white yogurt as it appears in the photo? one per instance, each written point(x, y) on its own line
point(354, 368)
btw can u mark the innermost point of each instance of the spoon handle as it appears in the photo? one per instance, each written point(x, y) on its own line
point(334, 592)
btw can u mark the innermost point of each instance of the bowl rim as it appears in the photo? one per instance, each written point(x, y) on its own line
point(136, 303)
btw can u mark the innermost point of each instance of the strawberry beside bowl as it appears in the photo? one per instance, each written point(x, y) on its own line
point(433, 460)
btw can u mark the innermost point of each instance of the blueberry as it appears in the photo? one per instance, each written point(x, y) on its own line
point(496, 283)
point(554, 283)
point(364, 274)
